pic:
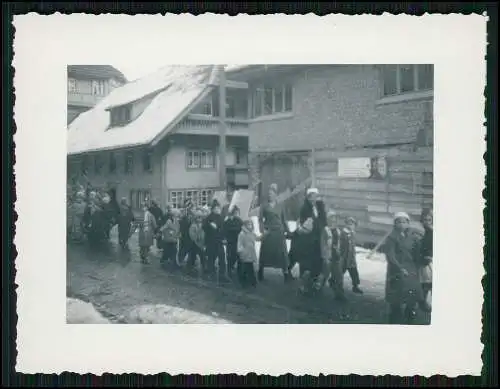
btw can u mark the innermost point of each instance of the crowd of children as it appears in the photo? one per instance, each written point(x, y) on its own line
point(324, 250)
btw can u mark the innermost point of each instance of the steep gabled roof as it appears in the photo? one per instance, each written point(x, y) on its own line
point(100, 71)
point(173, 90)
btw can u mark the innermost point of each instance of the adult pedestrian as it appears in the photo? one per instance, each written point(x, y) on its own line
point(273, 250)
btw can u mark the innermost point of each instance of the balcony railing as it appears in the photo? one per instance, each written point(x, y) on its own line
point(83, 99)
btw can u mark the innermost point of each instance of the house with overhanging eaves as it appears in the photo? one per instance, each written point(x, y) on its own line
point(158, 137)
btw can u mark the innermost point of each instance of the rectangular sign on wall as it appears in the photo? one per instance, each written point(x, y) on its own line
point(354, 167)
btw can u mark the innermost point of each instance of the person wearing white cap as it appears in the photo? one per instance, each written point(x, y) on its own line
point(402, 290)
point(312, 222)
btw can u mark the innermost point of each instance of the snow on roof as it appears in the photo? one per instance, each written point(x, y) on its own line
point(178, 87)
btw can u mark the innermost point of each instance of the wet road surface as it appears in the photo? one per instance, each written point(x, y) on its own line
point(119, 286)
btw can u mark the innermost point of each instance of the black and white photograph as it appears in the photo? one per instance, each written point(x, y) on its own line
point(290, 186)
point(251, 194)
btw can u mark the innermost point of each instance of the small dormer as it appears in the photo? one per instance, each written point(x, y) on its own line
point(120, 116)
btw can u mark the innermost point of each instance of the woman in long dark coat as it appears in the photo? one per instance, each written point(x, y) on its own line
point(312, 222)
point(273, 251)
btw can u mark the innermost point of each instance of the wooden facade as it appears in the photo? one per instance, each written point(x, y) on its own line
point(407, 186)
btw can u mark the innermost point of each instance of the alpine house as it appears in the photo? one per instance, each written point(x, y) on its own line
point(158, 137)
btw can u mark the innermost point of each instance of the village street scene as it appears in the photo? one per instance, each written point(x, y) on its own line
point(250, 194)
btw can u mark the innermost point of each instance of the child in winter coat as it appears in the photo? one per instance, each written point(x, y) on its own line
point(197, 236)
point(247, 255)
point(146, 233)
point(232, 228)
point(170, 232)
point(348, 253)
point(330, 249)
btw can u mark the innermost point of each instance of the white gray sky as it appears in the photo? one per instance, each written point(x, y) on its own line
point(133, 71)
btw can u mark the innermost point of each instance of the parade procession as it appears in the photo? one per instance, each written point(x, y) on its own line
point(274, 197)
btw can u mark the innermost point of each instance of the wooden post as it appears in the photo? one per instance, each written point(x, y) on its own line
point(313, 167)
point(222, 127)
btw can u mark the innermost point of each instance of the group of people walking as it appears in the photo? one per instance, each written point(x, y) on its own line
point(324, 249)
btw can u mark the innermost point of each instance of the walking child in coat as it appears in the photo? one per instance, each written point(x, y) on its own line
point(348, 253)
point(146, 233)
point(197, 236)
point(247, 255)
point(214, 237)
point(331, 254)
point(170, 232)
point(402, 288)
point(232, 228)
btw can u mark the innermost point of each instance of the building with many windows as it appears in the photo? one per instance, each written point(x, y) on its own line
point(159, 136)
point(88, 84)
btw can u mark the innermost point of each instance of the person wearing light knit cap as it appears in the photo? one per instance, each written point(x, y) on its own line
point(312, 222)
point(402, 290)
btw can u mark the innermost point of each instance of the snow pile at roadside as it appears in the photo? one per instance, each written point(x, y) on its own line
point(80, 312)
point(166, 314)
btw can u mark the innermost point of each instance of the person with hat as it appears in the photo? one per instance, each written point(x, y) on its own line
point(402, 288)
point(348, 253)
point(273, 250)
point(312, 221)
point(214, 237)
point(185, 242)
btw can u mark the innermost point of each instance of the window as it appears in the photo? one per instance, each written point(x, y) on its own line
point(399, 79)
point(176, 199)
point(147, 161)
point(112, 163)
point(200, 159)
point(138, 197)
point(120, 116)
point(97, 164)
point(193, 159)
point(271, 100)
point(207, 159)
point(205, 196)
point(199, 197)
point(98, 87)
point(192, 195)
point(129, 162)
point(72, 85)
